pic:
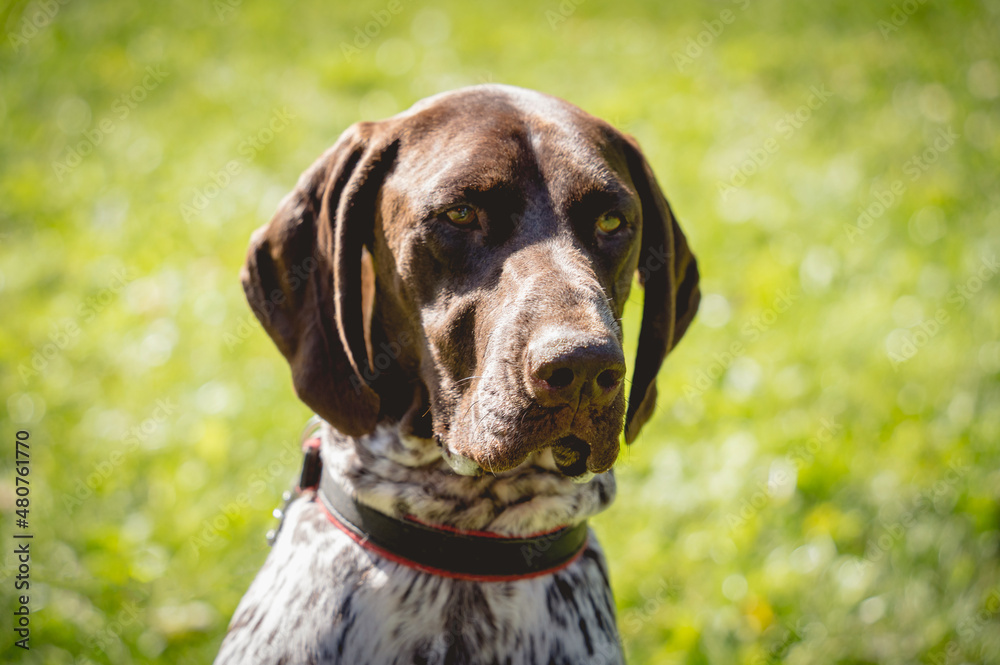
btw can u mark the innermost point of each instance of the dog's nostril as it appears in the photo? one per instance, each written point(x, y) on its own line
point(561, 378)
point(609, 378)
point(566, 368)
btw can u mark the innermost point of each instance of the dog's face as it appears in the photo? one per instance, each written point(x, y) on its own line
point(504, 228)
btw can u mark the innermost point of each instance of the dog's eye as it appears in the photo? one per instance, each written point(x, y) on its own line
point(461, 216)
point(608, 223)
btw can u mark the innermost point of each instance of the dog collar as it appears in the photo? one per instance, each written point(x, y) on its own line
point(480, 556)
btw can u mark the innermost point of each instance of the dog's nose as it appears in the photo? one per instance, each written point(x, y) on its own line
point(568, 369)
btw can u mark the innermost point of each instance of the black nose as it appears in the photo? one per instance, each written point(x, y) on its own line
point(567, 369)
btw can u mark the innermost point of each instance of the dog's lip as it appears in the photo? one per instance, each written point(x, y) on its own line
point(571, 453)
point(569, 456)
point(461, 464)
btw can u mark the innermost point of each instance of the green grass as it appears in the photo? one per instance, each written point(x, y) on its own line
point(163, 422)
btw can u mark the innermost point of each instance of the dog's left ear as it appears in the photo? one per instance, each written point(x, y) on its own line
point(669, 273)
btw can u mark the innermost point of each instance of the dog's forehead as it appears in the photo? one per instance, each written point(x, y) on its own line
point(489, 135)
point(493, 100)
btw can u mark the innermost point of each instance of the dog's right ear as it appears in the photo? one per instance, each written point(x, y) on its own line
point(302, 271)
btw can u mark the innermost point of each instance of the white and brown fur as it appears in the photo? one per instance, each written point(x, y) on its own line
point(321, 598)
point(499, 400)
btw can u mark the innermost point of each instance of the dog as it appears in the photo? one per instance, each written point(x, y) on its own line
point(447, 286)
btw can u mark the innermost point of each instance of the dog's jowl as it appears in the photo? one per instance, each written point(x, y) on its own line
point(447, 286)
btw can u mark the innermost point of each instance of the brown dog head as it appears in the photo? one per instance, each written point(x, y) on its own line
point(462, 268)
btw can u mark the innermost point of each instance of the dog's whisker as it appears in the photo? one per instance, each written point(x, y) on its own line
point(475, 437)
point(471, 406)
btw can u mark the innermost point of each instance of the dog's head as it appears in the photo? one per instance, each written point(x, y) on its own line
point(462, 268)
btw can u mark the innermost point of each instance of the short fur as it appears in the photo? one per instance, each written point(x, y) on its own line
point(436, 349)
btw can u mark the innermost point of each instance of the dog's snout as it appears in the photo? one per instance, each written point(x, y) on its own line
point(567, 369)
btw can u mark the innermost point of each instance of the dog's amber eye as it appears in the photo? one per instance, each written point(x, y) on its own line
point(608, 223)
point(461, 216)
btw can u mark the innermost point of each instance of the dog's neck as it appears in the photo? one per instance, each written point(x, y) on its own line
point(406, 476)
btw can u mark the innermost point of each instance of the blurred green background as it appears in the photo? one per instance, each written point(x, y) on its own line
point(822, 479)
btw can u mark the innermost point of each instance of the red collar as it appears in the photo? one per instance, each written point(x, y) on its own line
point(480, 556)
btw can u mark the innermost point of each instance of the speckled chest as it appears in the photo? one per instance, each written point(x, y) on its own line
point(320, 598)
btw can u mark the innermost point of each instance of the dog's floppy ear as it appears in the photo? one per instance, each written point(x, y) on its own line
point(302, 278)
point(669, 273)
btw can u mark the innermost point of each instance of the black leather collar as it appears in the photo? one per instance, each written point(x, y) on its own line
point(444, 551)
